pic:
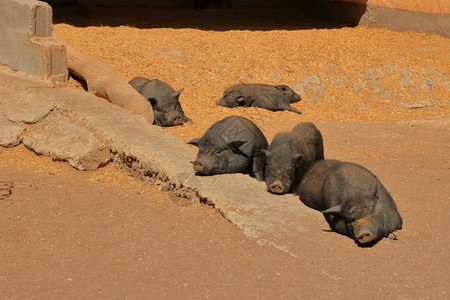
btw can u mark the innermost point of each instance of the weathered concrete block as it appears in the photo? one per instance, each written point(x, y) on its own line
point(26, 43)
point(10, 133)
point(420, 15)
point(63, 139)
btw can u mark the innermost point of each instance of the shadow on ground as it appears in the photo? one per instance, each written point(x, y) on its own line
point(225, 19)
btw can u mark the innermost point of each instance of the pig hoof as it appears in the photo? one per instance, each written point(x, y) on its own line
point(393, 235)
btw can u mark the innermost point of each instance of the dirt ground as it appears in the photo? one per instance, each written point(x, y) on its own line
point(379, 97)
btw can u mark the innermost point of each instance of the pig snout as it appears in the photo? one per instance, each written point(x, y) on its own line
point(276, 187)
point(198, 167)
point(365, 236)
point(174, 118)
point(178, 120)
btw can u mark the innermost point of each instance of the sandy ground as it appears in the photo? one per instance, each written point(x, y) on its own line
point(88, 234)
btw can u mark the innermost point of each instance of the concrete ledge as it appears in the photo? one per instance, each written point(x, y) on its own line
point(26, 43)
point(151, 154)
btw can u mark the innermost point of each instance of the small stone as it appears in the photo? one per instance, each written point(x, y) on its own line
point(393, 235)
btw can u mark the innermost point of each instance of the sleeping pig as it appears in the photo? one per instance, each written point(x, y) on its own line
point(290, 155)
point(166, 106)
point(231, 145)
point(353, 200)
point(266, 96)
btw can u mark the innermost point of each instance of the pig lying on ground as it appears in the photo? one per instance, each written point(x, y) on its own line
point(352, 199)
point(166, 106)
point(290, 155)
point(232, 145)
point(266, 96)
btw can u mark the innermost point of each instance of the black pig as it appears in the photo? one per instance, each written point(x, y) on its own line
point(266, 96)
point(290, 155)
point(166, 106)
point(232, 145)
point(352, 199)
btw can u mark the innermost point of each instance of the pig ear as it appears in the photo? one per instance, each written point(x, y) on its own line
point(265, 152)
point(240, 99)
point(152, 101)
point(282, 88)
point(334, 210)
point(177, 93)
point(234, 145)
point(297, 159)
point(194, 141)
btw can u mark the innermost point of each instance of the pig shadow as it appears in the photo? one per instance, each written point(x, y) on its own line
point(80, 80)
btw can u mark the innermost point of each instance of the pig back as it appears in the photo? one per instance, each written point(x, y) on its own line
point(138, 82)
point(236, 128)
point(310, 189)
point(310, 142)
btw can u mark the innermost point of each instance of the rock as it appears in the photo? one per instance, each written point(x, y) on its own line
point(63, 139)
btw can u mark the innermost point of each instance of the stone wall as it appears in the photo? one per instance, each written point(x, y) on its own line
point(431, 16)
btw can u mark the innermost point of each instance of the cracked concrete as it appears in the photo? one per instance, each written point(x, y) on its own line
point(10, 133)
point(62, 139)
point(27, 110)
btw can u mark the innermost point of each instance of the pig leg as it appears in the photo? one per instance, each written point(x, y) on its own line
point(186, 119)
point(258, 167)
point(339, 225)
point(284, 106)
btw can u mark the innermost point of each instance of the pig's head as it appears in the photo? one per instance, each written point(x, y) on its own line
point(280, 170)
point(166, 110)
point(364, 231)
point(232, 98)
point(288, 93)
point(218, 159)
